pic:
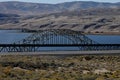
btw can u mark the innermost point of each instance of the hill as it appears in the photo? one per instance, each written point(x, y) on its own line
point(83, 16)
point(25, 8)
point(91, 20)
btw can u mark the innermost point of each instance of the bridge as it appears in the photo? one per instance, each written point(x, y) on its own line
point(56, 38)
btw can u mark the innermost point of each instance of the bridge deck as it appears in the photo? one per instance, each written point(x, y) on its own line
point(56, 45)
point(37, 47)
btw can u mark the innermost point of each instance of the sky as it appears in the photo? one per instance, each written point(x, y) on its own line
point(60, 1)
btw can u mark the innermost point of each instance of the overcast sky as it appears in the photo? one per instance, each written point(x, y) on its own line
point(60, 1)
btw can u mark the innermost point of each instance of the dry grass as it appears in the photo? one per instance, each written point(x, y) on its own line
point(84, 67)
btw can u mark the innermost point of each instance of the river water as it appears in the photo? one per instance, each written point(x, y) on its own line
point(11, 36)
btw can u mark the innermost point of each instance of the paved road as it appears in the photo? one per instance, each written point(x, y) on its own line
point(64, 53)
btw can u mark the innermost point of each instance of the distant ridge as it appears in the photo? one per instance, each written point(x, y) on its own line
point(26, 8)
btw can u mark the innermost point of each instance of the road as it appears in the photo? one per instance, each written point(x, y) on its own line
point(55, 53)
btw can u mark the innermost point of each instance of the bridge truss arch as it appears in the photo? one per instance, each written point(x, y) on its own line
point(57, 36)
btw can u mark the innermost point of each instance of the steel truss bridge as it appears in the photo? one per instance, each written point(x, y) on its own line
point(56, 38)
